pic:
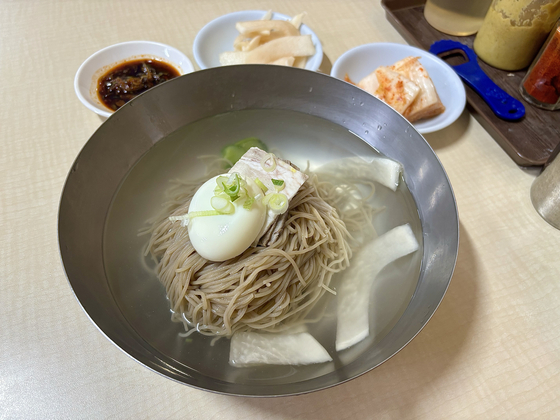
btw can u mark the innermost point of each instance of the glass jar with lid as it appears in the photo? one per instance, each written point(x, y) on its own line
point(541, 84)
point(459, 18)
point(514, 30)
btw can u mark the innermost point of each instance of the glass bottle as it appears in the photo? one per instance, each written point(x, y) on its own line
point(514, 30)
point(459, 18)
point(541, 84)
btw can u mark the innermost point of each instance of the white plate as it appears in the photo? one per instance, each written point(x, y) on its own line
point(218, 36)
point(85, 82)
point(361, 61)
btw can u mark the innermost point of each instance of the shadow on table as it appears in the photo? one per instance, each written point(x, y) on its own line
point(451, 134)
point(394, 388)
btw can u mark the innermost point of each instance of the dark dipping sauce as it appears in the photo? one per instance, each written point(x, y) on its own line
point(128, 80)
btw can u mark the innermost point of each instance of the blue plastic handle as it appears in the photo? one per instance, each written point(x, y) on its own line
point(503, 105)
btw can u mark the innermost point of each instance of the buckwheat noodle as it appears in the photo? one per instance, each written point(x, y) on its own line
point(266, 288)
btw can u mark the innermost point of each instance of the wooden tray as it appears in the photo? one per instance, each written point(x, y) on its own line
point(529, 141)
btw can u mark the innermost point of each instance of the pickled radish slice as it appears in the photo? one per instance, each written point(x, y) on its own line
point(252, 348)
point(382, 170)
point(354, 294)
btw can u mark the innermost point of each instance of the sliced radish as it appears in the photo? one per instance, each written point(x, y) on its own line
point(354, 294)
point(382, 170)
point(252, 348)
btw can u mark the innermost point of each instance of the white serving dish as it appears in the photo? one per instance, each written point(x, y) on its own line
point(218, 35)
point(85, 81)
point(361, 61)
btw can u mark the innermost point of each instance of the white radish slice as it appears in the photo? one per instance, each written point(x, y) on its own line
point(354, 294)
point(252, 44)
point(284, 61)
point(297, 20)
point(230, 58)
point(382, 170)
point(252, 348)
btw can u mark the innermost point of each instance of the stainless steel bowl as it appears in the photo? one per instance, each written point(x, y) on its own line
point(129, 312)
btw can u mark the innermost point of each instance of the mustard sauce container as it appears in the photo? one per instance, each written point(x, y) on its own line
point(514, 30)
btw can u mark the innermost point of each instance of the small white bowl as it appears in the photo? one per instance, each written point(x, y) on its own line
point(218, 35)
point(85, 82)
point(361, 61)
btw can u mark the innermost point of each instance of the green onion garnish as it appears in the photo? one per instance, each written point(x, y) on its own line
point(248, 203)
point(261, 185)
point(279, 184)
point(185, 218)
point(268, 162)
point(220, 181)
point(233, 187)
point(222, 205)
point(276, 202)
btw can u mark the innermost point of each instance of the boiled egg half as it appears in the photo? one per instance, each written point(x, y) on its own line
point(224, 236)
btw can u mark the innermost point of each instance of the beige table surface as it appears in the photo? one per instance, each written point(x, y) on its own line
point(492, 350)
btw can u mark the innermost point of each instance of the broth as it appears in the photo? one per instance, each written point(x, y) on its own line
point(294, 136)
